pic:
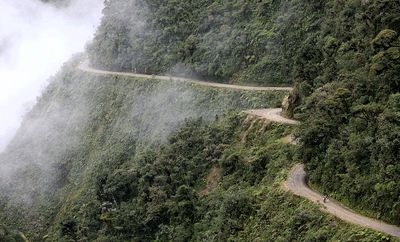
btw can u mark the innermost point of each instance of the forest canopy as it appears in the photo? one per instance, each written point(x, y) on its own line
point(122, 159)
point(342, 56)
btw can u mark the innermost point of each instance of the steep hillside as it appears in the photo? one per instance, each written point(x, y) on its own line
point(342, 56)
point(91, 148)
point(351, 107)
point(84, 121)
point(113, 158)
point(215, 182)
point(242, 41)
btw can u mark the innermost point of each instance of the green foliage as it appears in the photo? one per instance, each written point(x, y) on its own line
point(86, 125)
point(116, 182)
point(118, 159)
point(384, 39)
point(239, 41)
point(155, 195)
point(350, 128)
point(7, 235)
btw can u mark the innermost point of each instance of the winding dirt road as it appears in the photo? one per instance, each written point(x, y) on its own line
point(297, 183)
point(272, 114)
point(297, 179)
point(84, 66)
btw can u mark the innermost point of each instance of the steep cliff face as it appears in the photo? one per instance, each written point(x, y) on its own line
point(84, 121)
point(341, 56)
point(254, 42)
point(261, 42)
point(111, 158)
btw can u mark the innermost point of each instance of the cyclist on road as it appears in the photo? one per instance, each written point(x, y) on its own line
point(325, 198)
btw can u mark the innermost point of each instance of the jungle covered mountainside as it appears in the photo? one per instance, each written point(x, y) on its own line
point(117, 159)
point(244, 41)
point(342, 56)
point(111, 158)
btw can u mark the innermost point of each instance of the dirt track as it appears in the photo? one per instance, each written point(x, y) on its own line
point(272, 114)
point(297, 179)
point(85, 67)
point(297, 183)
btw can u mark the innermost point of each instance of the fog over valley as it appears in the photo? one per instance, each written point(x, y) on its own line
point(36, 38)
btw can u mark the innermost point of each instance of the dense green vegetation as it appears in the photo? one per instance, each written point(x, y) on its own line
point(163, 193)
point(351, 106)
point(343, 56)
point(115, 159)
point(97, 164)
point(157, 195)
point(243, 41)
point(8, 235)
point(83, 119)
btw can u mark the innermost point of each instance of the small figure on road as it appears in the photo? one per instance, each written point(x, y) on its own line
point(325, 198)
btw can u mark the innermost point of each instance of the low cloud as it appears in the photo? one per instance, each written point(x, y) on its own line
point(36, 38)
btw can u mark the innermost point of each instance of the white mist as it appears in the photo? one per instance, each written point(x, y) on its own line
point(35, 40)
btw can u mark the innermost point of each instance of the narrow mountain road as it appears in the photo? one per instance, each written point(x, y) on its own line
point(84, 66)
point(297, 183)
point(297, 178)
point(272, 114)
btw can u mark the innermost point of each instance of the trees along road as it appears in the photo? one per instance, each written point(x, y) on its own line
point(84, 66)
point(297, 178)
